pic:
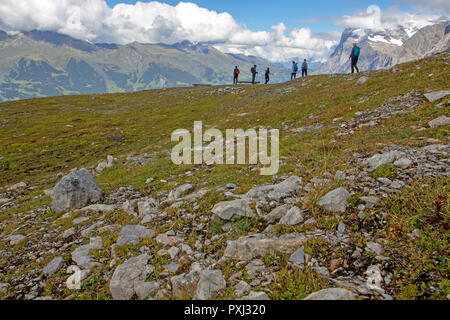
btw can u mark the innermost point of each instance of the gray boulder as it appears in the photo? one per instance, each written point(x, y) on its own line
point(82, 257)
point(277, 213)
point(278, 191)
point(179, 192)
point(185, 285)
point(230, 210)
point(434, 96)
point(361, 81)
point(132, 235)
point(211, 281)
point(332, 294)
point(335, 201)
point(258, 245)
point(293, 217)
point(129, 278)
point(76, 191)
point(298, 257)
point(381, 159)
point(256, 296)
point(439, 122)
point(54, 266)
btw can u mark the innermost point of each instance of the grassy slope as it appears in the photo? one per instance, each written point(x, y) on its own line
point(36, 144)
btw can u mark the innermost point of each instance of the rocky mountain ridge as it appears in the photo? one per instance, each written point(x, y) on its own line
point(385, 48)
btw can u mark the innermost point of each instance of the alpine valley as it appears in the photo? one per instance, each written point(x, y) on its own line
point(42, 63)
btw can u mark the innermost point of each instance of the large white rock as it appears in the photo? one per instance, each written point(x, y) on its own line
point(75, 191)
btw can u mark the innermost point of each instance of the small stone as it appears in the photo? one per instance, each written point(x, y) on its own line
point(332, 294)
point(69, 233)
point(16, 239)
point(146, 289)
point(298, 257)
point(172, 267)
point(384, 181)
point(18, 186)
point(96, 243)
point(54, 266)
point(256, 296)
point(179, 192)
point(129, 276)
point(293, 217)
point(403, 163)
point(173, 252)
point(434, 96)
point(132, 235)
point(361, 81)
point(80, 220)
point(439, 122)
point(241, 288)
point(211, 281)
point(375, 248)
point(397, 184)
point(233, 209)
point(4, 288)
point(335, 201)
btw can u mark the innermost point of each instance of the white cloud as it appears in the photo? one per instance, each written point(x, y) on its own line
point(155, 22)
point(374, 18)
point(441, 7)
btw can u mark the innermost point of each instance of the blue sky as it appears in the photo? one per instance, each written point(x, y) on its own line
point(261, 15)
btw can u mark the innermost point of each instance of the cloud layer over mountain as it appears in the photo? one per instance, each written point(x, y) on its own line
point(156, 22)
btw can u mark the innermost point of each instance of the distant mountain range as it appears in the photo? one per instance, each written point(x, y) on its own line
point(43, 63)
point(384, 49)
point(39, 64)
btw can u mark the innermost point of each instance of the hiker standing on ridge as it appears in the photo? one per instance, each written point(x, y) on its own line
point(294, 70)
point(254, 73)
point(304, 69)
point(267, 75)
point(354, 56)
point(236, 75)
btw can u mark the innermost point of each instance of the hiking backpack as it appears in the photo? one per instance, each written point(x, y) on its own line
point(357, 51)
point(296, 67)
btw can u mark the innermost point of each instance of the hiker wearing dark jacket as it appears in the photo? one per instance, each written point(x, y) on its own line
point(294, 70)
point(267, 75)
point(236, 75)
point(254, 73)
point(354, 56)
point(304, 68)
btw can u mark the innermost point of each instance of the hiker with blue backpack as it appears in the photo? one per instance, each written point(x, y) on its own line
point(294, 70)
point(354, 56)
